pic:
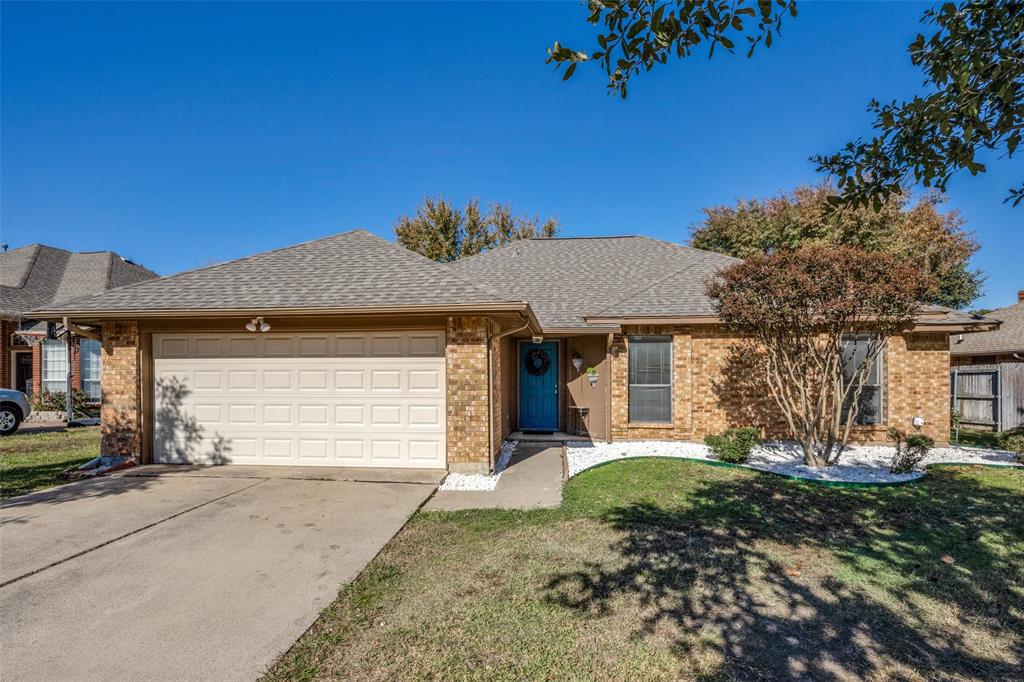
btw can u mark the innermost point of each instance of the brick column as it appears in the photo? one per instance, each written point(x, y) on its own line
point(76, 364)
point(121, 411)
point(37, 368)
point(468, 404)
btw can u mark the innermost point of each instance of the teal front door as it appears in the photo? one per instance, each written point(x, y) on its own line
point(538, 386)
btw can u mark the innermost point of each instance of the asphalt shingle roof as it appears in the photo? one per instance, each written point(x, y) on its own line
point(37, 276)
point(353, 269)
point(1009, 338)
point(567, 280)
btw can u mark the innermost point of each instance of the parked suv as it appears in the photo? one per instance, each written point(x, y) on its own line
point(14, 408)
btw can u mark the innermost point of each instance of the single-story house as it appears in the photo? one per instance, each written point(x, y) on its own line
point(353, 351)
point(33, 357)
point(1005, 344)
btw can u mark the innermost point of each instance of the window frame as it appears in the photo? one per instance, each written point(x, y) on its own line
point(86, 376)
point(49, 385)
point(631, 339)
point(879, 385)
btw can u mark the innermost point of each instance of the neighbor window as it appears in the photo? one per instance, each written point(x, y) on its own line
point(55, 366)
point(89, 355)
point(650, 379)
point(855, 350)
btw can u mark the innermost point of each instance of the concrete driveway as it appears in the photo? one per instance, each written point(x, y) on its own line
point(176, 577)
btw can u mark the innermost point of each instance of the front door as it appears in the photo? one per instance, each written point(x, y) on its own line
point(23, 372)
point(538, 386)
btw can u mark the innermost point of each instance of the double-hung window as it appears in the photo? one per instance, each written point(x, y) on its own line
point(650, 379)
point(855, 352)
point(89, 355)
point(55, 366)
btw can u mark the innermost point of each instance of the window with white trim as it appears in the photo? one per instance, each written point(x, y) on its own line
point(650, 379)
point(55, 366)
point(855, 352)
point(91, 368)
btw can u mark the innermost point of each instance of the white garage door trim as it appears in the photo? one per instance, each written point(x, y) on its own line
point(370, 399)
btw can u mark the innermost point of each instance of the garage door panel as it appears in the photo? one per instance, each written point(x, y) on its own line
point(347, 399)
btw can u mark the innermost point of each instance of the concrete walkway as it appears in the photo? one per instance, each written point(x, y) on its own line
point(532, 480)
point(180, 577)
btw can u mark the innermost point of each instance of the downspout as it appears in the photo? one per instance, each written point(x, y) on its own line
point(490, 386)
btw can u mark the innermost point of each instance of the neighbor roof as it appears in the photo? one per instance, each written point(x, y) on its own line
point(1009, 338)
point(37, 276)
point(567, 280)
point(348, 270)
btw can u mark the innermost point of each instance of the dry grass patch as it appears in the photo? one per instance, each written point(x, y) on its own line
point(676, 570)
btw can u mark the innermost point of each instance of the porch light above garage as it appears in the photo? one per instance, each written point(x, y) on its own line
point(257, 324)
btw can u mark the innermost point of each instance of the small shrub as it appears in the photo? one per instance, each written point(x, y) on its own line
point(910, 450)
point(1013, 440)
point(734, 445)
point(55, 401)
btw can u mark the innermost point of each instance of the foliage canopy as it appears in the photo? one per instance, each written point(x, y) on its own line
point(916, 232)
point(443, 233)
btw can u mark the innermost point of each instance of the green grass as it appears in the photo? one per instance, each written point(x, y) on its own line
point(979, 439)
point(667, 569)
point(31, 461)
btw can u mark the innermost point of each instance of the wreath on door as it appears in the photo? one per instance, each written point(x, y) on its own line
point(537, 362)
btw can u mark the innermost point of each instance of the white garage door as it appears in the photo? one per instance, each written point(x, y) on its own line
point(374, 399)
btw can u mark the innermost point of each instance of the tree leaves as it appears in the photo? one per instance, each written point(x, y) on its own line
point(915, 232)
point(644, 33)
point(974, 62)
point(441, 232)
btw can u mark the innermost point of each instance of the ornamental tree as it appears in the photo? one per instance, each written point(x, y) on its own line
point(797, 312)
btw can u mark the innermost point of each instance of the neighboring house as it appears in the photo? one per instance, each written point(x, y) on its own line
point(353, 351)
point(988, 372)
point(1005, 344)
point(33, 356)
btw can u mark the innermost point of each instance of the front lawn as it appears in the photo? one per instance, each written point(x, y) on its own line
point(30, 461)
point(669, 569)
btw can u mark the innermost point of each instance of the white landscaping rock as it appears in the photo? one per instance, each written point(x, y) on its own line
point(857, 464)
point(481, 482)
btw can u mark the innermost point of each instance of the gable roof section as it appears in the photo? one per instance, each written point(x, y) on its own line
point(1009, 338)
point(349, 270)
point(37, 275)
point(567, 280)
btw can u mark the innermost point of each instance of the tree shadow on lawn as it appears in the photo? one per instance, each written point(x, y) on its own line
point(791, 581)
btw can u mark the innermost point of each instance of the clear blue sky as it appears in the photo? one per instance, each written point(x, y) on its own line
point(180, 134)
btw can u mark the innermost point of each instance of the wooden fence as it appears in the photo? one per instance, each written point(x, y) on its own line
point(989, 397)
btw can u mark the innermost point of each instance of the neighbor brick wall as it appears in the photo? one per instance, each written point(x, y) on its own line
point(6, 360)
point(469, 413)
point(37, 369)
point(717, 385)
point(121, 411)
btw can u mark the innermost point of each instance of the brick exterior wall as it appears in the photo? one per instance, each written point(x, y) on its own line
point(6, 360)
point(37, 369)
point(498, 378)
point(121, 411)
point(715, 387)
point(469, 411)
